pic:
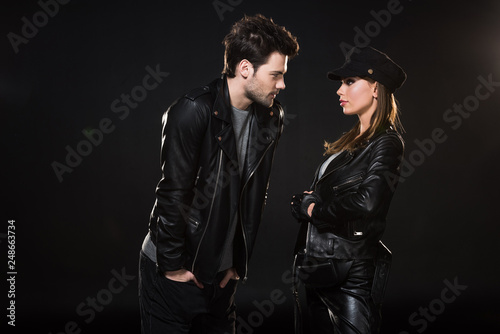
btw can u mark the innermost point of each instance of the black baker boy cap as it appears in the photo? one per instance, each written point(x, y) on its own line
point(372, 63)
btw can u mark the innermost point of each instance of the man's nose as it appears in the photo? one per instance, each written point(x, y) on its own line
point(281, 84)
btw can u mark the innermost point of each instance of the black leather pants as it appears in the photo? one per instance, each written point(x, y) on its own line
point(346, 308)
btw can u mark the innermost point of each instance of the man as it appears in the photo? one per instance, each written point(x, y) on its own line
point(217, 150)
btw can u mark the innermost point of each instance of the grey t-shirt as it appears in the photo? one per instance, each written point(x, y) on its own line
point(241, 126)
point(325, 164)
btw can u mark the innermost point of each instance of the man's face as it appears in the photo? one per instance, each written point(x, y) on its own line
point(265, 83)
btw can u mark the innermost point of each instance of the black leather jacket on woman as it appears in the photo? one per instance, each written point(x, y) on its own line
point(355, 191)
point(201, 190)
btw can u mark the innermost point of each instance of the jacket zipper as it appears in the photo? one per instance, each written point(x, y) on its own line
point(308, 237)
point(194, 222)
point(209, 213)
point(243, 227)
point(197, 176)
point(360, 177)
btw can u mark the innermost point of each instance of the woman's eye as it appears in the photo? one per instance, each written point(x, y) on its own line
point(349, 81)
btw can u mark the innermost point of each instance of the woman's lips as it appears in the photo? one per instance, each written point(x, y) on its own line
point(343, 103)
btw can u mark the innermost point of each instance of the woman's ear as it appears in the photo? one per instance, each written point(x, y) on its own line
point(375, 90)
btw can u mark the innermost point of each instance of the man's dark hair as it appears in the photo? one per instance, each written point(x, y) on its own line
point(254, 38)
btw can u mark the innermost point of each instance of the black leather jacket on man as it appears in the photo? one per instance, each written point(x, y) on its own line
point(355, 191)
point(201, 190)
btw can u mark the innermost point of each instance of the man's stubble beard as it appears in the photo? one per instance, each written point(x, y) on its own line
point(254, 93)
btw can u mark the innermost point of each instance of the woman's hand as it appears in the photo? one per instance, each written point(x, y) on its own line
point(310, 209)
point(311, 206)
point(303, 205)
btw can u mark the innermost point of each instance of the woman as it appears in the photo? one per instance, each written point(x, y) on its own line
point(340, 258)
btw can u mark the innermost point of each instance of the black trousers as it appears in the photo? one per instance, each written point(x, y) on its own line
point(346, 308)
point(181, 307)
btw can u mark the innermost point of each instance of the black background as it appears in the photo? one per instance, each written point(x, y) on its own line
point(72, 234)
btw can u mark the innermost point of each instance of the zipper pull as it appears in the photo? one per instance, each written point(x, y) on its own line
point(198, 175)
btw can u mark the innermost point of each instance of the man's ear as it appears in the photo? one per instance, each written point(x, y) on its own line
point(245, 68)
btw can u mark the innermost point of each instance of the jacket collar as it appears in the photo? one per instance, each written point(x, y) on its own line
point(222, 106)
point(262, 128)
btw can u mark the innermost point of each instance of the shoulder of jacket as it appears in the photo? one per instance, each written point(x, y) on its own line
point(192, 103)
point(387, 134)
point(197, 92)
point(388, 137)
point(395, 135)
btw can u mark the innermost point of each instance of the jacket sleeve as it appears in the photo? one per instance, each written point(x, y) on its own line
point(184, 127)
point(376, 188)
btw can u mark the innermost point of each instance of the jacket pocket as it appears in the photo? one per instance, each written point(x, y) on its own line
point(193, 224)
point(348, 184)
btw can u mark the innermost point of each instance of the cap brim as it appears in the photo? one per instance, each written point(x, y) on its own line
point(340, 73)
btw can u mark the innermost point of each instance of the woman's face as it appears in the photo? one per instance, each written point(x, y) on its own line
point(357, 96)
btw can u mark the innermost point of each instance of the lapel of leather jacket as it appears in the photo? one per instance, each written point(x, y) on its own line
point(339, 161)
point(259, 140)
point(222, 111)
point(344, 158)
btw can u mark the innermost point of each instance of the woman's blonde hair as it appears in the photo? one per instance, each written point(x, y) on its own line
point(385, 115)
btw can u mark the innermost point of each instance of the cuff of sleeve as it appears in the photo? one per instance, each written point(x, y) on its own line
point(170, 263)
point(316, 218)
point(317, 212)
